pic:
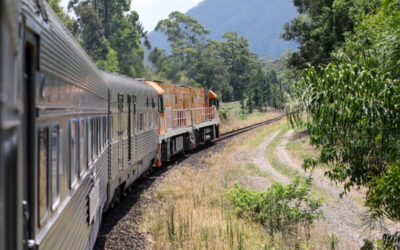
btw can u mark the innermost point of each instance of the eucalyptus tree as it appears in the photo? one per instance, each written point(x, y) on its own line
point(322, 26)
point(354, 108)
point(240, 62)
point(186, 36)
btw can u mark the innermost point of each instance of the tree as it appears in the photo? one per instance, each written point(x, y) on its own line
point(239, 61)
point(68, 22)
point(322, 26)
point(354, 111)
point(185, 34)
point(91, 32)
point(211, 71)
point(105, 25)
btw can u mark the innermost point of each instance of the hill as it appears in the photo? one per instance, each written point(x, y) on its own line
point(260, 21)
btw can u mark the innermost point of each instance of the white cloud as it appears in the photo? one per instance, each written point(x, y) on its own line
point(151, 11)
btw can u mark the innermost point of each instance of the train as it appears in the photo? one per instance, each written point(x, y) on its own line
point(73, 138)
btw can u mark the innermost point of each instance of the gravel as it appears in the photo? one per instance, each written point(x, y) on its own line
point(120, 228)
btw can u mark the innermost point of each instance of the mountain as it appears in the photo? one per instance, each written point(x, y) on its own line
point(260, 21)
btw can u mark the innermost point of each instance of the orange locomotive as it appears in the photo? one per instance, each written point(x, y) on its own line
point(187, 117)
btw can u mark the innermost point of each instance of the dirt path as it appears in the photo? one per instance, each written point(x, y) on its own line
point(260, 159)
point(344, 216)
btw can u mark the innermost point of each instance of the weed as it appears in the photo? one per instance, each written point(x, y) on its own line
point(281, 208)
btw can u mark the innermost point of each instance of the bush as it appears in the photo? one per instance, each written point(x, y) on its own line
point(280, 208)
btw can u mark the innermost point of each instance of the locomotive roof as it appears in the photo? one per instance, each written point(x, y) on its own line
point(122, 83)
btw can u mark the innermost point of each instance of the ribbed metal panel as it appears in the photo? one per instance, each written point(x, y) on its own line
point(125, 148)
point(148, 141)
point(62, 56)
point(114, 160)
point(71, 229)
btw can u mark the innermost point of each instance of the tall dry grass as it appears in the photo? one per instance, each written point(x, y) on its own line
point(192, 211)
point(236, 122)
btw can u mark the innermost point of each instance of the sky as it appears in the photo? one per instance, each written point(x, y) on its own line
point(151, 11)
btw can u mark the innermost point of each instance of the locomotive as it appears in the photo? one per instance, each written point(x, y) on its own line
point(74, 138)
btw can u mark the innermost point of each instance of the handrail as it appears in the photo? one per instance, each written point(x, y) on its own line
point(180, 118)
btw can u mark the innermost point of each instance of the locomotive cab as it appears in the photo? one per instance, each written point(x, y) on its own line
point(213, 99)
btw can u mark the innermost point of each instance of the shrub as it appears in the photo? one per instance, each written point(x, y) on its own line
point(280, 208)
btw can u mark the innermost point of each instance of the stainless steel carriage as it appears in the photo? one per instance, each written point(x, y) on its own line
point(133, 131)
point(54, 118)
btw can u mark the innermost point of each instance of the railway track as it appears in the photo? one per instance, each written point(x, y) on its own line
point(120, 228)
point(248, 128)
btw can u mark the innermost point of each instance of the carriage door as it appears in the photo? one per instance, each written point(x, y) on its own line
point(30, 68)
point(130, 139)
point(120, 131)
point(133, 132)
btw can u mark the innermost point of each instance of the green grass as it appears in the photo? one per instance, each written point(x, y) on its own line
point(302, 150)
point(273, 158)
point(284, 169)
point(255, 170)
point(234, 110)
point(259, 137)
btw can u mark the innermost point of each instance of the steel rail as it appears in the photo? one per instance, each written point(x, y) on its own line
point(248, 128)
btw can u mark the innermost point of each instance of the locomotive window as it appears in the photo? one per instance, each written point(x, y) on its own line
point(82, 146)
point(43, 161)
point(153, 104)
point(160, 104)
point(74, 153)
point(55, 164)
point(147, 102)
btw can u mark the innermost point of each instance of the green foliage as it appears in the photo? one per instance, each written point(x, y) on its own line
point(354, 111)
point(227, 67)
point(110, 35)
point(280, 208)
point(68, 22)
point(239, 61)
point(322, 27)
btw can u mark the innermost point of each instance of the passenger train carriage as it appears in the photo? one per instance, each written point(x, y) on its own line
point(73, 138)
point(133, 131)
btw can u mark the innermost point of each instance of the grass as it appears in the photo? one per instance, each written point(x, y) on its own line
point(238, 118)
point(191, 209)
point(255, 170)
point(274, 159)
point(194, 213)
point(300, 149)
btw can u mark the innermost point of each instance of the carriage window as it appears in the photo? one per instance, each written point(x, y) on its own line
point(111, 128)
point(95, 138)
point(98, 129)
point(43, 161)
point(90, 140)
point(100, 134)
point(140, 122)
point(105, 131)
point(134, 105)
point(82, 146)
point(55, 165)
point(73, 158)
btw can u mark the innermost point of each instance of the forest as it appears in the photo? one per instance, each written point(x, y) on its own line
point(344, 78)
point(114, 38)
